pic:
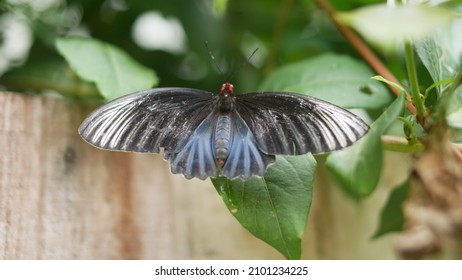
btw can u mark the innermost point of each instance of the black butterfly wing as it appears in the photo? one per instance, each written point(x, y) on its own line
point(245, 158)
point(148, 120)
point(293, 124)
point(196, 157)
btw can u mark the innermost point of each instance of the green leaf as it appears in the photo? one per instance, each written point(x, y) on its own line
point(113, 71)
point(48, 75)
point(390, 83)
point(275, 207)
point(392, 217)
point(338, 79)
point(388, 27)
point(454, 117)
point(358, 168)
point(441, 53)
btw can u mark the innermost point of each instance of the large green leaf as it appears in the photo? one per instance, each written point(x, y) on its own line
point(388, 27)
point(358, 167)
point(113, 71)
point(441, 52)
point(338, 79)
point(275, 207)
point(392, 217)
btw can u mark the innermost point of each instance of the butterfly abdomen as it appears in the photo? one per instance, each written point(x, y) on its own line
point(222, 138)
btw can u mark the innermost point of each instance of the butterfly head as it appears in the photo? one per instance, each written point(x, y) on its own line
point(226, 97)
point(227, 89)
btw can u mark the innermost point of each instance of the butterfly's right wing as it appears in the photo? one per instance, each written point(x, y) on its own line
point(148, 120)
point(294, 124)
point(245, 158)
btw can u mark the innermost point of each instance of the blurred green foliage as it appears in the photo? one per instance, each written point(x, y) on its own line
point(284, 31)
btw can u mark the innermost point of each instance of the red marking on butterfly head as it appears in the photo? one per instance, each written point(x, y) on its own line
point(226, 97)
point(227, 88)
point(220, 162)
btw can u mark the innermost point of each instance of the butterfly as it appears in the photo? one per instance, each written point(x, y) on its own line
point(208, 135)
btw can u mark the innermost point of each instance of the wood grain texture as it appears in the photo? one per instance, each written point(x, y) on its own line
point(60, 198)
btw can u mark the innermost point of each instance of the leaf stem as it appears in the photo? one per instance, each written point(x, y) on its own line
point(402, 145)
point(434, 85)
point(412, 75)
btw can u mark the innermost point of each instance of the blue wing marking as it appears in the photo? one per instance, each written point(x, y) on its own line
point(196, 158)
point(244, 159)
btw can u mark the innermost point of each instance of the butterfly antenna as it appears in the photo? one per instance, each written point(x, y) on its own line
point(214, 60)
point(244, 63)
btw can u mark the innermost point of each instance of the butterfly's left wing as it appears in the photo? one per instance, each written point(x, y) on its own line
point(294, 124)
point(148, 120)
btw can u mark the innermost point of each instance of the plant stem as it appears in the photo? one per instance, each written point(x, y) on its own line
point(400, 144)
point(412, 74)
point(284, 12)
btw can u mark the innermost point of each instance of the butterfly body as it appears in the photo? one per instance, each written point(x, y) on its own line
point(222, 138)
point(207, 135)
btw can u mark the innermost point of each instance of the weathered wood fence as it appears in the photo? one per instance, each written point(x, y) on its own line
point(60, 198)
